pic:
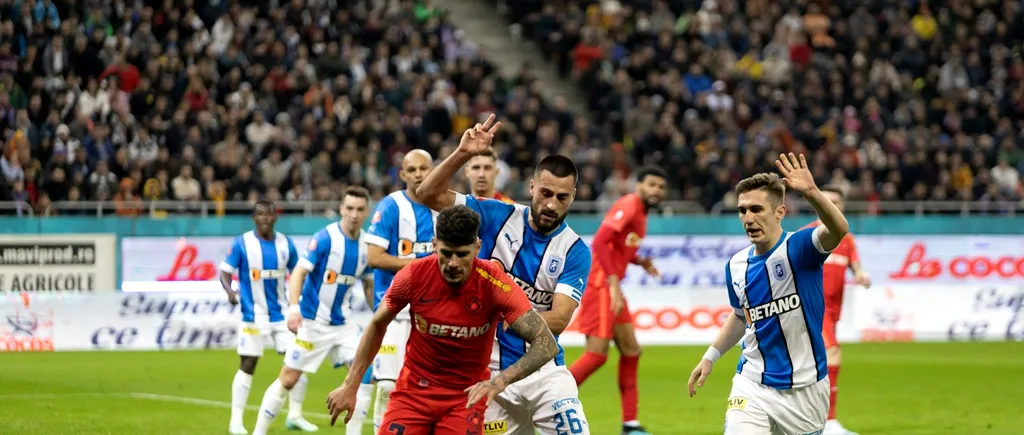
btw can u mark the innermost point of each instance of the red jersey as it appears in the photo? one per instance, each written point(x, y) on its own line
point(834, 270)
point(498, 196)
point(451, 345)
point(618, 238)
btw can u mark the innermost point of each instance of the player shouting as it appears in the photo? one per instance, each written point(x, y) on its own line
point(776, 291)
point(456, 300)
point(334, 260)
point(604, 314)
point(547, 259)
point(834, 280)
point(263, 257)
point(401, 231)
point(482, 172)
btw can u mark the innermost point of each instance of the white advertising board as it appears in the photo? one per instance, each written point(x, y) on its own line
point(57, 263)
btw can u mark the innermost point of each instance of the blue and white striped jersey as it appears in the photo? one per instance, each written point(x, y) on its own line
point(405, 229)
point(262, 267)
point(541, 264)
point(780, 295)
point(335, 263)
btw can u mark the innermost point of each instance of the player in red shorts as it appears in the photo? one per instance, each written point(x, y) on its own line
point(833, 281)
point(456, 300)
point(604, 315)
point(482, 172)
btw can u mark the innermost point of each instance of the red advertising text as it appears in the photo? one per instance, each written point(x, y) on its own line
point(918, 266)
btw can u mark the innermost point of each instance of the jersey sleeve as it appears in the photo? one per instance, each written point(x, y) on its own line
point(293, 254)
point(382, 225)
point(621, 214)
point(807, 251)
point(573, 279)
point(399, 295)
point(510, 299)
point(233, 261)
point(734, 299)
point(490, 210)
point(316, 251)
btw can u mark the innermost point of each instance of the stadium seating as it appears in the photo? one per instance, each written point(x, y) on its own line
point(893, 100)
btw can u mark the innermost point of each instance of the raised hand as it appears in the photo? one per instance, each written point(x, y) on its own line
point(478, 139)
point(795, 173)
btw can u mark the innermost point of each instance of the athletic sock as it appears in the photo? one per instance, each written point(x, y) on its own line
point(363, 397)
point(296, 396)
point(239, 395)
point(627, 387)
point(273, 400)
point(833, 380)
point(588, 363)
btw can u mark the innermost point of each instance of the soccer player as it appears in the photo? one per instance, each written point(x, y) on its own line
point(456, 299)
point(334, 261)
point(604, 314)
point(776, 292)
point(402, 230)
point(264, 257)
point(834, 280)
point(547, 259)
point(482, 171)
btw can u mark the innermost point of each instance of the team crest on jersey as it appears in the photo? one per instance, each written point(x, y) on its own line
point(376, 217)
point(312, 244)
point(283, 256)
point(778, 269)
point(554, 267)
point(473, 306)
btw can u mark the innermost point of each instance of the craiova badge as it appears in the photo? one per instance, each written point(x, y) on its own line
point(376, 217)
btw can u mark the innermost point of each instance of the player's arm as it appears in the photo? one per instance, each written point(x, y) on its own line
point(382, 231)
point(860, 276)
point(834, 225)
point(534, 330)
point(434, 192)
point(229, 266)
point(569, 288)
point(396, 299)
point(730, 334)
point(368, 289)
point(378, 258)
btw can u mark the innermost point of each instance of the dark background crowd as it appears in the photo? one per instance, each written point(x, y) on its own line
point(193, 101)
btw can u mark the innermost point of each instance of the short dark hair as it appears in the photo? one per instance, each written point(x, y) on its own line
point(765, 181)
point(834, 189)
point(559, 166)
point(489, 153)
point(264, 202)
point(651, 170)
point(356, 191)
point(457, 225)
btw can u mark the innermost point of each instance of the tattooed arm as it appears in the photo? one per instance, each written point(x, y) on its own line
point(542, 349)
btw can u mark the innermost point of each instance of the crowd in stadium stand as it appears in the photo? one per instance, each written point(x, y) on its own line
point(894, 100)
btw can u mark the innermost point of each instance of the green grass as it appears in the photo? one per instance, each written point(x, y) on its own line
point(892, 389)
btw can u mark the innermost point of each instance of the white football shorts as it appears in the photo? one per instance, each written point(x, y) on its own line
point(547, 400)
point(315, 341)
point(754, 409)
point(391, 356)
point(253, 338)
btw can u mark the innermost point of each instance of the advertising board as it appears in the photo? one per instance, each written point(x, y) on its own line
point(58, 263)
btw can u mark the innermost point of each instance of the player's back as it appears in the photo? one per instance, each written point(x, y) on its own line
point(780, 294)
point(262, 266)
point(622, 231)
point(336, 262)
point(451, 343)
point(405, 229)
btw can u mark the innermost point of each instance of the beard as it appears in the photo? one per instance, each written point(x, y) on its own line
point(545, 222)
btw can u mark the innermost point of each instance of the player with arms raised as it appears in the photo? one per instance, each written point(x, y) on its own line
point(775, 288)
point(604, 314)
point(333, 262)
point(482, 172)
point(262, 258)
point(834, 281)
point(547, 259)
point(456, 300)
point(401, 231)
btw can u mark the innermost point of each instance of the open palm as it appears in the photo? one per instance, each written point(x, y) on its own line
point(795, 173)
point(478, 139)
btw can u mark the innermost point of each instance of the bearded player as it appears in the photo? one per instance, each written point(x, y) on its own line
point(456, 300)
point(834, 280)
point(548, 259)
point(604, 315)
point(482, 171)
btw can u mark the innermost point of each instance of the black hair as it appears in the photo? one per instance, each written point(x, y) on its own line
point(559, 166)
point(265, 203)
point(457, 225)
point(358, 192)
point(651, 170)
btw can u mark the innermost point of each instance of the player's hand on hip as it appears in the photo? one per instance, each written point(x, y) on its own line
point(485, 390)
point(342, 399)
point(699, 375)
point(862, 279)
point(795, 173)
point(294, 322)
point(478, 139)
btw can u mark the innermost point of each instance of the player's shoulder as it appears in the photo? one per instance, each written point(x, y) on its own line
point(741, 255)
point(491, 274)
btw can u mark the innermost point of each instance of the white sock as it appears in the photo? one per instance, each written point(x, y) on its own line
point(384, 389)
point(273, 400)
point(296, 397)
point(363, 396)
point(239, 395)
point(631, 423)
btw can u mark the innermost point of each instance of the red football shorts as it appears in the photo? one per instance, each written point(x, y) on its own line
point(415, 410)
point(596, 318)
point(828, 329)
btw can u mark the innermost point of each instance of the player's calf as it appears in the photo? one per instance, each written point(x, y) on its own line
point(240, 386)
point(384, 389)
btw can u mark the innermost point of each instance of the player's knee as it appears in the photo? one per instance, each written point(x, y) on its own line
point(598, 345)
point(631, 351)
point(289, 377)
point(248, 364)
point(384, 389)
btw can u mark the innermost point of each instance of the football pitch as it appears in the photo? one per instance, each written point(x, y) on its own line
point(890, 388)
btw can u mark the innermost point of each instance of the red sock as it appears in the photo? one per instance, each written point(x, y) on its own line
point(833, 379)
point(586, 366)
point(627, 386)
